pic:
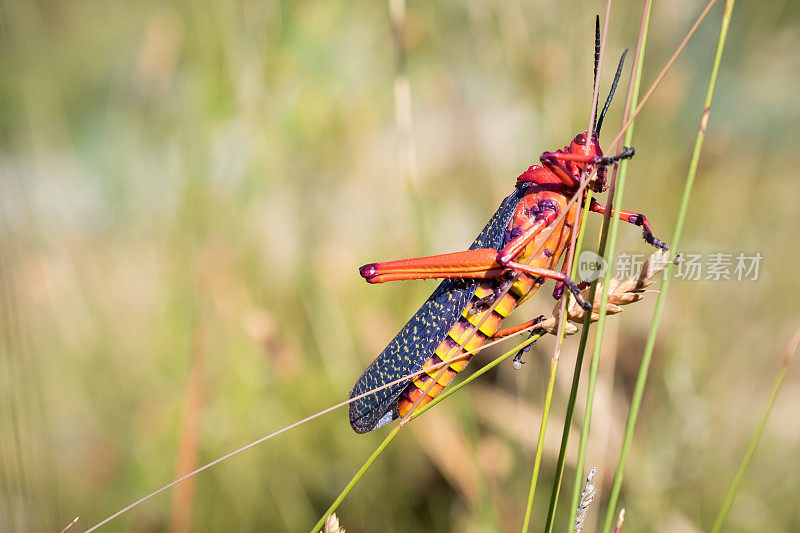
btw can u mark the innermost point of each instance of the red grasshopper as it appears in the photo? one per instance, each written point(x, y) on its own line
point(519, 249)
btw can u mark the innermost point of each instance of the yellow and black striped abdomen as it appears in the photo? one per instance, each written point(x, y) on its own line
point(470, 332)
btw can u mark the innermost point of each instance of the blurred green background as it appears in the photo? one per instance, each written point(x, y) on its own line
point(188, 188)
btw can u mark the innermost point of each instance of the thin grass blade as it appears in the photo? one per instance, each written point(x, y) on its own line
point(641, 379)
point(756, 437)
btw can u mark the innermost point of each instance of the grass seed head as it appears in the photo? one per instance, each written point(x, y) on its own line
point(620, 293)
point(332, 525)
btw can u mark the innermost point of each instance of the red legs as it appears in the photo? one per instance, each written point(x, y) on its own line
point(637, 219)
point(558, 290)
point(518, 243)
point(565, 245)
point(472, 264)
point(552, 274)
point(505, 332)
point(626, 153)
point(554, 161)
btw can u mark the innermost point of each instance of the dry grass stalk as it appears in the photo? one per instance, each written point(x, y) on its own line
point(69, 525)
point(587, 497)
point(332, 524)
point(620, 520)
point(621, 292)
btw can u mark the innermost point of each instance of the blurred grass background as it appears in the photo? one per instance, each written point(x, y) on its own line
point(189, 188)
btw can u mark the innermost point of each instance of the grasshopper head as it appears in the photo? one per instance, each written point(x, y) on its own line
point(579, 146)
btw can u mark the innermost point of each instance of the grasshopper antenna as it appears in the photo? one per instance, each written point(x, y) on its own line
point(610, 93)
point(596, 45)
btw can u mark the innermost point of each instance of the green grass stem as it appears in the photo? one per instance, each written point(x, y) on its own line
point(756, 437)
point(606, 249)
point(573, 394)
point(395, 430)
point(641, 379)
point(361, 471)
point(617, 193)
point(537, 461)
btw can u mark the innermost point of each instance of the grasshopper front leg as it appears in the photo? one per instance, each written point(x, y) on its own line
point(637, 219)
